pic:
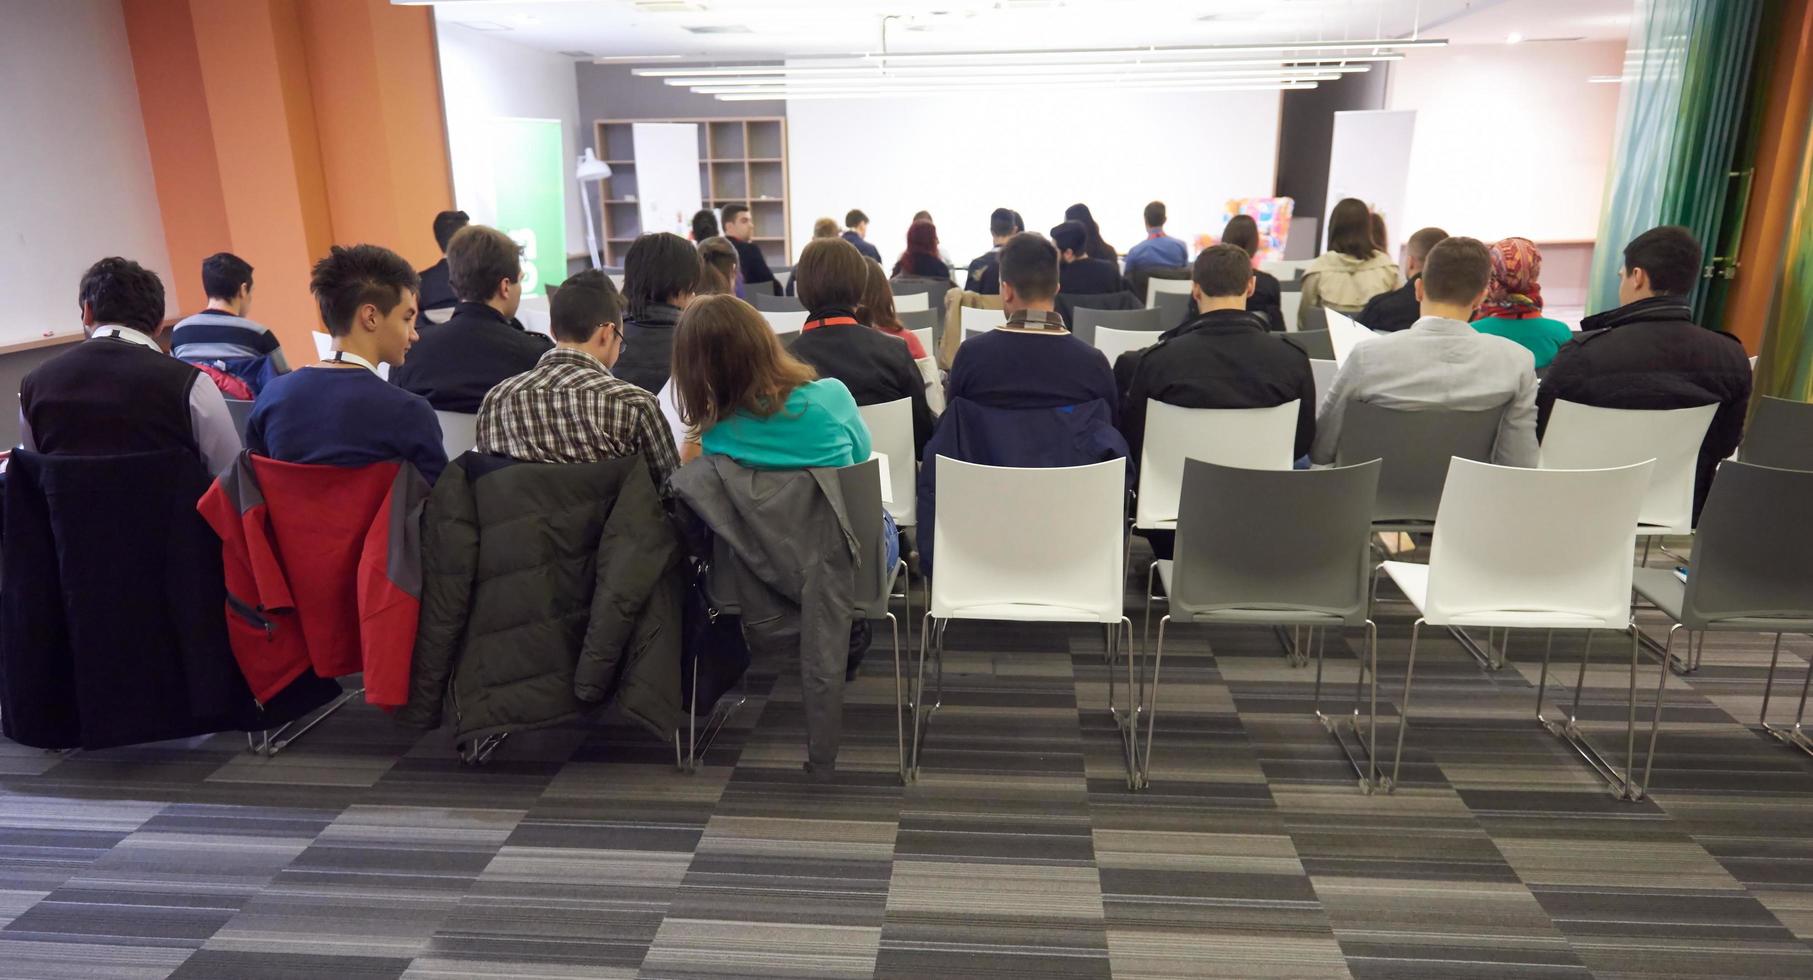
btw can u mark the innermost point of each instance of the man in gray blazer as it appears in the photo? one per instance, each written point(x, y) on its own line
point(1441, 362)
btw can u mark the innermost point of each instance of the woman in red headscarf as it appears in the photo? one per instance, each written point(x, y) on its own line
point(1513, 306)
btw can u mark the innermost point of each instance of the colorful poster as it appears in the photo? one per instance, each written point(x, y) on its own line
point(529, 177)
point(1271, 214)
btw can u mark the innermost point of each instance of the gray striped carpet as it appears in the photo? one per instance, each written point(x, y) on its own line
point(369, 851)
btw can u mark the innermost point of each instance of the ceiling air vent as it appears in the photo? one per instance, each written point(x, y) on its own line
point(718, 29)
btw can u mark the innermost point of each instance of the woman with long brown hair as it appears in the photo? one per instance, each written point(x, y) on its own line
point(1353, 270)
point(877, 311)
point(718, 267)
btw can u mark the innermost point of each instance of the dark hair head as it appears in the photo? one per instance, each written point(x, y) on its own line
point(582, 304)
point(922, 237)
point(1222, 270)
point(1671, 256)
point(121, 291)
point(351, 276)
point(727, 359)
point(1155, 214)
point(1029, 264)
point(1417, 248)
point(1243, 231)
point(1350, 229)
point(446, 224)
point(704, 224)
point(854, 217)
point(1379, 235)
point(1071, 236)
point(1019, 223)
point(1457, 270)
point(718, 266)
point(731, 211)
point(922, 215)
point(877, 307)
point(1003, 223)
point(479, 258)
point(830, 275)
point(1097, 247)
point(223, 273)
point(824, 228)
point(659, 268)
point(1079, 212)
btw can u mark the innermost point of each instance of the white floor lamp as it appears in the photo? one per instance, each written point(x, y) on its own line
point(591, 170)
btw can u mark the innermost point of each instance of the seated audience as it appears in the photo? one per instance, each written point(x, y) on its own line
point(1353, 270)
point(456, 362)
point(1032, 361)
point(739, 227)
point(875, 368)
point(569, 408)
point(1267, 297)
point(822, 228)
point(1159, 250)
point(704, 224)
point(985, 270)
point(221, 338)
point(718, 272)
point(661, 273)
point(943, 256)
point(1096, 248)
point(877, 311)
point(1649, 353)
point(339, 412)
point(1225, 358)
point(1513, 306)
point(437, 288)
point(1381, 240)
point(1398, 309)
point(856, 231)
point(1441, 362)
point(117, 393)
point(921, 255)
point(1081, 274)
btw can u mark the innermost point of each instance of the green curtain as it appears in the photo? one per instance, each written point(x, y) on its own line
point(1785, 369)
point(1686, 80)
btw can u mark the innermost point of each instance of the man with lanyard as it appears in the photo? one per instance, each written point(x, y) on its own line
point(340, 412)
point(118, 393)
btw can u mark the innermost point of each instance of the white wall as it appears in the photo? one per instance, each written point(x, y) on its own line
point(484, 77)
point(73, 161)
point(1511, 139)
point(960, 158)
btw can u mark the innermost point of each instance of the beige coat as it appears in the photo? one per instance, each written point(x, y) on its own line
point(954, 301)
point(1343, 283)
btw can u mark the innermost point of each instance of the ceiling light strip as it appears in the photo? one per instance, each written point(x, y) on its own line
point(849, 65)
point(1329, 74)
point(970, 82)
point(898, 93)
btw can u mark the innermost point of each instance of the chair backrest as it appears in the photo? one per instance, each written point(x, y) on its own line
point(1286, 269)
point(1156, 287)
point(913, 302)
point(1581, 437)
point(1113, 343)
point(1324, 370)
point(934, 383)
point(861, 484)
point(1275, 539)
point(459, 432)
point(975, 319)
point(1173, 308)
point(765, 302)
point(670, 410)
point(441, 315)
point(1007, 536)
point(1315, 318)
point(1289, 302)
point(770, 287)
point(1502, 545)
point(241, 411)
point(1316, 344)
point(324, 344)
point(1780, 435)
point(916, 320)
point(1415, 446)
point(1753, 549)
point(1250, 438)
point(787, 321)
point(1344, 334)
point(1086, 321)
point(924, 334)
point(891, 433)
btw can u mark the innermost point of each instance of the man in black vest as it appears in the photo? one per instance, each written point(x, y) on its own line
point(117, 392)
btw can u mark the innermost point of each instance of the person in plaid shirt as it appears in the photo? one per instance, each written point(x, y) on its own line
point(569, 408)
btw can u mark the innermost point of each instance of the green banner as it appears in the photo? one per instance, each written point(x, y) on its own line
point(529, 173)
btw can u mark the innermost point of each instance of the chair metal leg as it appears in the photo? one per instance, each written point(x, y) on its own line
point(1158, 660)
point(1662, 652)
point(899, 723)
point(1368, 668)
point(479, 752)
point(1623, 783)
point(1796, 734)
point(275, 740)
point(1397, 763)
point(1491, 656)
point(926, 628)
point(1145, 629)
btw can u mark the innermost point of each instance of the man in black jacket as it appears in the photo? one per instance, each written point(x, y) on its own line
point(1077, 272)
point(985, 270)
point(739, 227)
point(1398, 309)
point(1649, 354)
point(437, 288)
point(457, 362)
point(875, 367)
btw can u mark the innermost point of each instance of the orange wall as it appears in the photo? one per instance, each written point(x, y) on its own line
point(309, 123)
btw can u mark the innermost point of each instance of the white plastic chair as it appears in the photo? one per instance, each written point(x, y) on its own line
point(459, 432)
point(1029, 545)
point(912, 302)
point(925, 336)
point(1286, 270)
point(1583, 437)
point(1325, 377)
point(1344, 335)
point(891, 433)
point(1289, 303)
point(441, 315)
point(1249, 438)
point(1156, 285)
point(534, 314)
point(786, 321)
point(934, 384)
point(670, 410)
point(1506, 556)
point(975, 318)
point(1113, 343)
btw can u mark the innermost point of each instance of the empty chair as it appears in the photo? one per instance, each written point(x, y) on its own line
point(1275, 547)
point(1416, 447)
point(1250, 438)
point(913, 302)
point(1506, 557)
point(1028, 545)
point(1173, 308)
point(1086, 320)
point(241, 411)
point(784, 322)
point(1316, 344)
point(1289, 301)
point(1780, 434)
point(459, 432)
point(891, 433)
point(1156, 287)
point(1113, 343)
point(1324, 370)
point(769, 303)
point(975, 319)
point(1584, 437)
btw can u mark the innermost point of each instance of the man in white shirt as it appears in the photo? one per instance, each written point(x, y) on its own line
point(1441, 362)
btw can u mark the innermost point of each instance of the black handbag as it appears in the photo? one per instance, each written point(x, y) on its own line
point(713, 654)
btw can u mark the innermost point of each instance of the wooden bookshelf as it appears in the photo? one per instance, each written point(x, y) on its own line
point(741, 161)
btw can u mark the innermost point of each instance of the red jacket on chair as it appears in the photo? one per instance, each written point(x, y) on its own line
point(324, 571)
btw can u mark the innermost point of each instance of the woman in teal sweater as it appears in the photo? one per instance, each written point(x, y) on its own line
point(1513, 306)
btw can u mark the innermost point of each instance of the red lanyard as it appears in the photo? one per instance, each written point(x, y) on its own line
point(830, 321)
